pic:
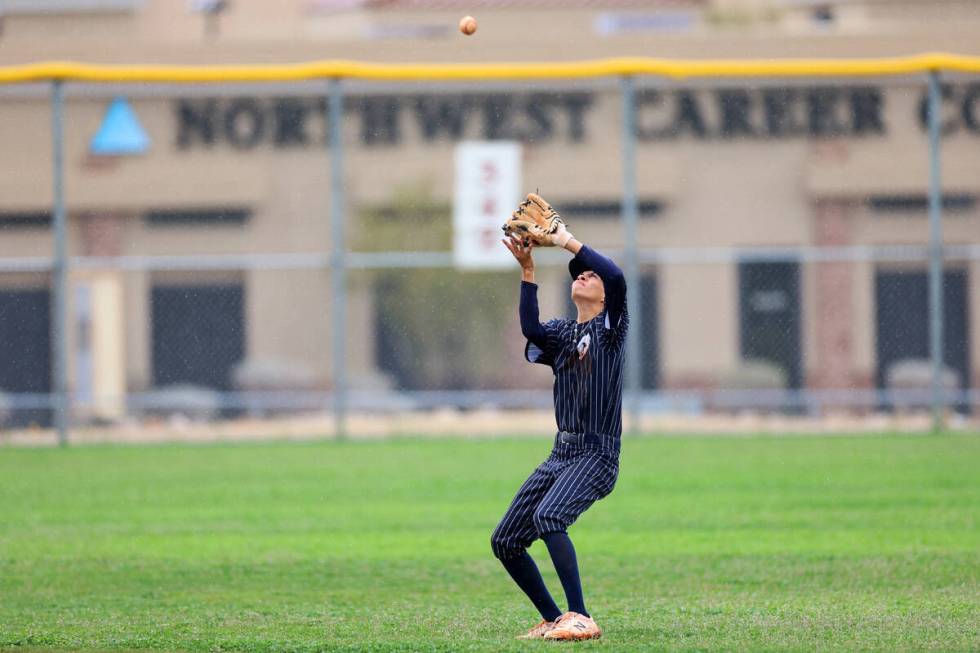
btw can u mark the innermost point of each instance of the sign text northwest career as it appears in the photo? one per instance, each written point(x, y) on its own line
point(538, 117)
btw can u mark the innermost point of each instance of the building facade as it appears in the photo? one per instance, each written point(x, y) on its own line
point(238, 177)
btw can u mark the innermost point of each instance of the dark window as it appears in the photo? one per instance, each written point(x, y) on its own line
point(903, 328)
point(25, 349)
point(27, 220)
point(198, 334)
point(649, 330)
point(197, 217)
point(918, 204)
point(605, 208)
point(769, 309)
point(823, 14)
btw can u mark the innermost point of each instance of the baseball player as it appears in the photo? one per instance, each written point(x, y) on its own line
point(586, 356)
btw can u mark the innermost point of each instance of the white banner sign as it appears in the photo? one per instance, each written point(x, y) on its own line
point(488, 188)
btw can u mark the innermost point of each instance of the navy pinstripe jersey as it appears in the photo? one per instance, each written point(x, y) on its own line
point(588, 391)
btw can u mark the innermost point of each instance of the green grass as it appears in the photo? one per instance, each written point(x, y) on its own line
point(839, 543)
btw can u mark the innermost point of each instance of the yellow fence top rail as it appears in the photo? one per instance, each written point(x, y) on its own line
point(678, 69)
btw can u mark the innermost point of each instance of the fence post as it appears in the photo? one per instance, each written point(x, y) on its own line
point(630, 215)
point(338, 259)
point(936, 321)
point(59, 303)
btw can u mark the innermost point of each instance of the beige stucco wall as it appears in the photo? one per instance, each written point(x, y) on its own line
point(289, 319)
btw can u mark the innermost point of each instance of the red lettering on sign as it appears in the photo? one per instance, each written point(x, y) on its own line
point(489, 172)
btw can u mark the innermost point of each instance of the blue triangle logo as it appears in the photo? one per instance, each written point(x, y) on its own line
point(120, 132)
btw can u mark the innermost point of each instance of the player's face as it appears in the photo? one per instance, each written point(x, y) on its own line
point(588, 286)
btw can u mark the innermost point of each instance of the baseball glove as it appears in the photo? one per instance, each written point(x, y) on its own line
point(535, 221)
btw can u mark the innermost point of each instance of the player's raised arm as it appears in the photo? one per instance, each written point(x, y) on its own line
point(612, 277)
point(530, 323)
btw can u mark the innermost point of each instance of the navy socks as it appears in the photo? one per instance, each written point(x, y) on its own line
point(563, 555)
point(525, 573)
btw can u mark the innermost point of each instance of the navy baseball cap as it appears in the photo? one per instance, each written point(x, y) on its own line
point(577, 267)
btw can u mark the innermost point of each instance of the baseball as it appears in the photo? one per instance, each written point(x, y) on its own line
point(467, 25)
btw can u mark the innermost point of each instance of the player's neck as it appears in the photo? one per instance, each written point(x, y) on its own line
point(587, 311)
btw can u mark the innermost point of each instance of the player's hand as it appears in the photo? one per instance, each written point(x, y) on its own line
point(561, 235)
point(520, 250)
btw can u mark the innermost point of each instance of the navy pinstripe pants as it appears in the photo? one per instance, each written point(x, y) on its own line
point(578, 473)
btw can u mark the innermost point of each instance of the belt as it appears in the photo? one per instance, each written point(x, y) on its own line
point(600, 440)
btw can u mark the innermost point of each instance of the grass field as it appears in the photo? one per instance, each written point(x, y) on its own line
point(837, 543)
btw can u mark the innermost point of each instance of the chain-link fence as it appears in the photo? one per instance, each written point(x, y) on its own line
point(798, 238)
